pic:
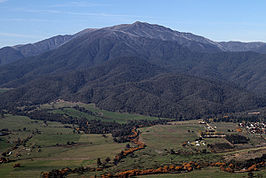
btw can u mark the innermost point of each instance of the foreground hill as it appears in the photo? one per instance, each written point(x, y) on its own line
point(137, 86)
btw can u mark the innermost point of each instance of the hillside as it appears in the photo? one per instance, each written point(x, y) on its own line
point(236, 46)
point(94, 47)
point(138, 29)
point(11, 54)
point(140, 68)
point(137, 86)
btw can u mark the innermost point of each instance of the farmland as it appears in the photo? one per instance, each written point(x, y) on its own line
point(49, 150)
point(42, 146)
point(206, 173)
point(67, 107)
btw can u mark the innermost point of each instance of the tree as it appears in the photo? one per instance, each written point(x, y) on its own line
point(250, 175)
point(99, 163)
point(115, 161)
point(128, 146)
point(107, 159)
point(172, 151)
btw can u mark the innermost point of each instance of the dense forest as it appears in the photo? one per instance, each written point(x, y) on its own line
point(136, 86)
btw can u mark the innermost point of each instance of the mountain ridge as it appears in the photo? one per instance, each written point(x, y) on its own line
point(141, 29)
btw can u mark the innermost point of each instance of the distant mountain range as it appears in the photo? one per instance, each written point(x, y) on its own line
point(194, 42)
point(11, 54)
point(235, 46)
point(140, 68)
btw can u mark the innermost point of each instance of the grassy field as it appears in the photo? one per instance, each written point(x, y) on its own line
point(106, 115)
point(117, 116)
point(57, 146)
point(17, 124)
point(41, 153)
point(75, 113)
point(207, 173)
point(224, 126)
point(162, 137)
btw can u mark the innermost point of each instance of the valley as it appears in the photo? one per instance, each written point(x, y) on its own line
point(41, 146)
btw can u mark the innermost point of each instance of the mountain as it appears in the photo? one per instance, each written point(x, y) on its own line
point(140, 68)
point(236, 46)
point(11, 54)
point(153, 31)
point(96, 46)
point(135, 85)
point(140, 29)
point(42, 46)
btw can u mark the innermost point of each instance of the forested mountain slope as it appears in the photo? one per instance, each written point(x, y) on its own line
point(140, 68)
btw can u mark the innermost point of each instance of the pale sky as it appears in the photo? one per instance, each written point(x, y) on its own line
point(28, 21)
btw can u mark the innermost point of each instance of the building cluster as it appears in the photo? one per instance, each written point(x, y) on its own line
point(210, 131)
point(254, 127)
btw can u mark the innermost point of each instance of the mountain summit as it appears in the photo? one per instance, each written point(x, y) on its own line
point(154, 31)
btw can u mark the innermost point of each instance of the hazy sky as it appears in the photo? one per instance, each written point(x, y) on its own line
point(24, 21)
